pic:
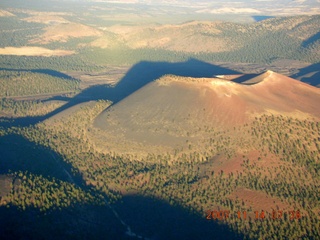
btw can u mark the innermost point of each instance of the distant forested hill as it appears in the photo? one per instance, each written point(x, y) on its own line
point(26, 83)
point(276, 38)
point(105, 43)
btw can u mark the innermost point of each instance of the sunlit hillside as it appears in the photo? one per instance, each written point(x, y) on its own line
point(159, 119)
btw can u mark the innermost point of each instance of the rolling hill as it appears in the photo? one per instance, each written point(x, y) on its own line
point(174, 112)
point(19, 83)
point(267, 40)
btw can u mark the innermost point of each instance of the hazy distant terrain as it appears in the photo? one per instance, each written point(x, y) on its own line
point(168, 11)
point(91, 38)
point(145, 119)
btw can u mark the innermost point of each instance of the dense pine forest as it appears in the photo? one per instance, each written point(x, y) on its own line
point(184, 180)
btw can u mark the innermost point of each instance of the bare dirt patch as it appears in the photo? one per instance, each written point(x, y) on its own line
point(34, 51)
point(63, 31)
point(5, 182)
point(4, 13)
point(111, 75)
point(259, 201)
point(221, 163)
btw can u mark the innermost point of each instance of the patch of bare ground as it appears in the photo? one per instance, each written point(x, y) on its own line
point(168, 120)
point(111, 75)
point(263, 163)
point(293, 64)
point(4, 13)
point(34, 51)
point(278, 94)
point(237, 163)
point(229, 77)
point(61, 32)
point(220, 163)
point(258, 201)
point(5, 187)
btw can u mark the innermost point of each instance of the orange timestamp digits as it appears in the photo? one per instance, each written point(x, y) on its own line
point(294, 215)
point(213, 215)
point(291, 214)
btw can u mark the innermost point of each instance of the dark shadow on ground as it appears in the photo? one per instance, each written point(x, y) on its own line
point(50, 72)
point(138, 76)
point(19, 154)
point(20, 121)
point(310, 75)
point(146, 72)
point(156, 219)
point(77, 222)
point(58, 98)
point(311, 40)
point(245, 78)
point(74, 222)
point(148, 218)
